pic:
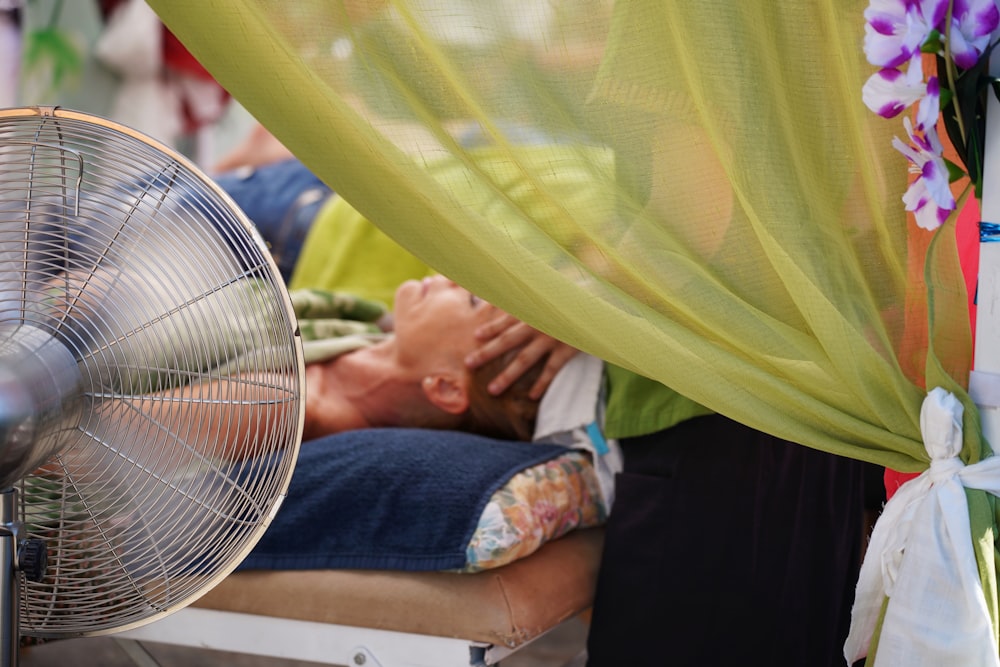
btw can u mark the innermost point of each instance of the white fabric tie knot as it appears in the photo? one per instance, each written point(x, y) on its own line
point(942, 470)
point(921, 557)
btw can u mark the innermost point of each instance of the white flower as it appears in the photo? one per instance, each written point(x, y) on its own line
point(929, 196)
point(889, 91)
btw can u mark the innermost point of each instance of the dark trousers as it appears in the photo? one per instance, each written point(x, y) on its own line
point(725, 547)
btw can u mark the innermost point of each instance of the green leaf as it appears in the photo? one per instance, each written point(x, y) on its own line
point(933, 43)
point(949, 119)
point(970, 93)
point(955, 172)
point(54, 47)
point(945, 98)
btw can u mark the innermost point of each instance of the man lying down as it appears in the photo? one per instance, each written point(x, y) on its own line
point(395, 422)
point(407, 491)
point(408, 462)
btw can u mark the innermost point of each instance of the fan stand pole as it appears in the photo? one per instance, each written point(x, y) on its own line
point(9, 582)
point(18, 556)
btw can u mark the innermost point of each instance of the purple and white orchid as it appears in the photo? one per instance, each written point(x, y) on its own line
point(895, 30)
point(928, 197)
point(889, 91)
point(930, 106)
point(896, 33)
point(972, 23)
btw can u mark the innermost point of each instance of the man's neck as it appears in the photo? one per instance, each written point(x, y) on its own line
point(360, 389)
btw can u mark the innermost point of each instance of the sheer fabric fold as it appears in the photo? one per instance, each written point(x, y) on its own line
point(693, 191)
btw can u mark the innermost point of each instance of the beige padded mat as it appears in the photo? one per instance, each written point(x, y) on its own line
point(507, 606)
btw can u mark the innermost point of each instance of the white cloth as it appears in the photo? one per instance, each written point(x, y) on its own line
point(921, 557)
point(150, 98)
point(131, 45)
point(571, 414)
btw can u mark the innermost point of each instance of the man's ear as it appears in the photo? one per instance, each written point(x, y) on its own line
point(448, 392)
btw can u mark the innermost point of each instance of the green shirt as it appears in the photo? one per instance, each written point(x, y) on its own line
point(639, 406)
point(346, 253)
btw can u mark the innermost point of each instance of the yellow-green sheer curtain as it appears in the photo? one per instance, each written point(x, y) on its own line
point(691, 190)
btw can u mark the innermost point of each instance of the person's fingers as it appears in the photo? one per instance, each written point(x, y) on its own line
point(527, 357)
point(558, 358)
point(506, 340)
point(496, 326)
point(504, 333)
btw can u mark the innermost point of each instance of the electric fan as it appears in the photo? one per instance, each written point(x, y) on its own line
point(150, 379)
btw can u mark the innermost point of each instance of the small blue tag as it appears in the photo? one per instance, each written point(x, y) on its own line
point(600, 444)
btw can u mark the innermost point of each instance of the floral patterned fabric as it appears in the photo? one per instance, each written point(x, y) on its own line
point(539, 504)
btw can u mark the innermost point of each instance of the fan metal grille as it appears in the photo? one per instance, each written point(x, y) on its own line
point(171, 440)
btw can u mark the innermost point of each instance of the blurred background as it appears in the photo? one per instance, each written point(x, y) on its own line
point(115, 59)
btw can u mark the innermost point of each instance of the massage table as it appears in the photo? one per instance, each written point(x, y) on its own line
point(375, 618)
point(366, 563)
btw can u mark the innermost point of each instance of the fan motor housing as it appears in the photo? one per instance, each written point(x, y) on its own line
point(39, 392)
